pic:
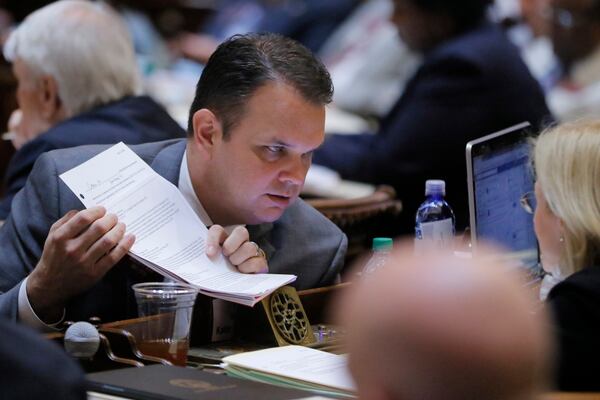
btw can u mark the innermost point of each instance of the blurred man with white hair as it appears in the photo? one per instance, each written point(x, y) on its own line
point(437, 327)
point(78, 83)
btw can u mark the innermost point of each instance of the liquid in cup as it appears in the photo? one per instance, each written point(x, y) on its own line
point(171, 350)
point(166, 310)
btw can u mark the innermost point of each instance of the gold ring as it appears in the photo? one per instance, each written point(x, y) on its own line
point(259, 252)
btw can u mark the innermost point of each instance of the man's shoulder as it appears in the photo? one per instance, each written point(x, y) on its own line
point(484, 36)
point(582, 284)
point(305, 243)
point(33, 363)
point(484, 47)
point(134, 119)
point(68, 158)
point(480, 64)
point(306, 220)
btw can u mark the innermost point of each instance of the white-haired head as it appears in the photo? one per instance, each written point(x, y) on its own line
point(84, 46)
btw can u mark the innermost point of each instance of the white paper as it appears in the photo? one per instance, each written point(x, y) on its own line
point(169, 235)
point(299, 363)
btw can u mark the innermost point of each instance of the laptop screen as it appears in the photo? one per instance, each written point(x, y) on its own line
point(500, 174)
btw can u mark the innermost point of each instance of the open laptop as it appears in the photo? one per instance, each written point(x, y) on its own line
point(499, 172)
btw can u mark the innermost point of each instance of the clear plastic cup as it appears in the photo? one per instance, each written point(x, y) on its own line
point(166, 310)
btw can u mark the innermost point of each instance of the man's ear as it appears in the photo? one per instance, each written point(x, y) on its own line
point(52, 108)
point(207, 129)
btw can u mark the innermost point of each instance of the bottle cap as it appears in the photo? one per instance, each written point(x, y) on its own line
point(435, 186)
point(382, 243)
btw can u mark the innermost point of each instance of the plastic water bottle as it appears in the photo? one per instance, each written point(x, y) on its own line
point(435, 221)
point(380, 251)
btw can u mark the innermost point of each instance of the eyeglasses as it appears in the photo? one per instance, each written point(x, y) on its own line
point(528, 202)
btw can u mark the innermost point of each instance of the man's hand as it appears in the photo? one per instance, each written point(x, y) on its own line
point(23, 130)
point(242, 253)
point(18, 137)
point(81, 247)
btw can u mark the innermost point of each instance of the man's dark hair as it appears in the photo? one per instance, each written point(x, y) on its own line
point(243, 63)
point(465, 13)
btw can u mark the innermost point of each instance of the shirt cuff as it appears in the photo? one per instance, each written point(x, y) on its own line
point(28, 317)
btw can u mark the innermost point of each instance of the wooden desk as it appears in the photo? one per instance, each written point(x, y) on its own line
point(117, 345)
point(312, 298)
point(316, 302)
point(362, 219)
point(570, 396)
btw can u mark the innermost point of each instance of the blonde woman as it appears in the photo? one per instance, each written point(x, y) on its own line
point(567, 224)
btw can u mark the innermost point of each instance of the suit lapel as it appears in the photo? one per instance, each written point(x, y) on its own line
point(260, 235)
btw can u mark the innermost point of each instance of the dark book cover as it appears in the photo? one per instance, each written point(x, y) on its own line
point(177, 383)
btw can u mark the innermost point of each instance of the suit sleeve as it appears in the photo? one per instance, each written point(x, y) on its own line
point(441, 98)
point(22, 237)
point(18, 171)
point(337, 263)
point(36, 368)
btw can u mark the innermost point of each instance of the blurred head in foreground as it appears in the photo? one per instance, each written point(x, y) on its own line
point(437, 327)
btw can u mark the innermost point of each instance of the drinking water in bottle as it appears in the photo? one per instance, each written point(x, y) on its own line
point(380, 252)
point(435, 221)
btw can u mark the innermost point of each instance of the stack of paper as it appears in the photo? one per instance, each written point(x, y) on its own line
point(295, 367)
point(170, 238)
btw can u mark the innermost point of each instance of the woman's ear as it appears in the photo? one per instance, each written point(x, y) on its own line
point(562, 229)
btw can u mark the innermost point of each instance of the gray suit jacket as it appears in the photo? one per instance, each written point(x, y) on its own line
point(301, 242)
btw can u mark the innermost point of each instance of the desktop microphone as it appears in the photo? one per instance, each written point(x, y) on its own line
point(82, 340)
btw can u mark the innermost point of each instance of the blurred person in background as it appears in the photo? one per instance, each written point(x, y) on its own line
point(76, 89)
point(367, 34)
point(575, 33)
point(531, 33)
point(310, 22)
point(471, 82)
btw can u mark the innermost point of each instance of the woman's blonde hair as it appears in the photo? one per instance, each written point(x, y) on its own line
point(567, 163)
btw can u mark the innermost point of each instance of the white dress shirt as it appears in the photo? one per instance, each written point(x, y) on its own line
point(222, 326)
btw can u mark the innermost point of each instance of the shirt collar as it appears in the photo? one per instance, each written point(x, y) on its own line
point(187, 190)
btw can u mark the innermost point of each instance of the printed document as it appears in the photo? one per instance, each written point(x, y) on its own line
point(295, 366)
point(170, 238)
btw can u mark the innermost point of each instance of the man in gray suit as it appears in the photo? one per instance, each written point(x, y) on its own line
point(257, 117)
